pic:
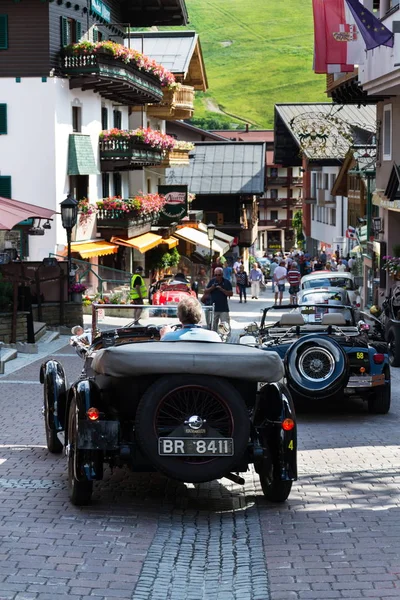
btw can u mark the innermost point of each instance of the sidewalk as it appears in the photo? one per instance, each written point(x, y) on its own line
point(44, 350)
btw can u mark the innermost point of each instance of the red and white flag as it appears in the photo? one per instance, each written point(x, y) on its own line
point(351, 233)
point(338, 45)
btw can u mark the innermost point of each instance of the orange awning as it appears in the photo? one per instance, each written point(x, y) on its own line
point(143, 243)
point(171, 242)
point(98, 248)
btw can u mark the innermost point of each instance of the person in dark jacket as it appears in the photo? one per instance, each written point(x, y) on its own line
point(242, 282)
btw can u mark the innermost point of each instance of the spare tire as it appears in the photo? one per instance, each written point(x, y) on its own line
point(172, 400)
point(316, 366)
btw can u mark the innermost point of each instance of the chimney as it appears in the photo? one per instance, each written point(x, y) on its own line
point(247, 128)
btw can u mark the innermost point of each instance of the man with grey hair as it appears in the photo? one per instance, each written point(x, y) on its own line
point(217, 293)
point(190, 314)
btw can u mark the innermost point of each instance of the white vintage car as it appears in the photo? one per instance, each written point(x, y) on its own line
point(333, 279)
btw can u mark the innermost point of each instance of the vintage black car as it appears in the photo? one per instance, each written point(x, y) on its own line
point(195, 411)
point(327, 354)
point(390, 321)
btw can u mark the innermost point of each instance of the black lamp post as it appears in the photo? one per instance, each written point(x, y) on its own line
point(211, 235)
point(69, 214)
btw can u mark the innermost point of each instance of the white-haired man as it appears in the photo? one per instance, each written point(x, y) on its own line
point(217, 293)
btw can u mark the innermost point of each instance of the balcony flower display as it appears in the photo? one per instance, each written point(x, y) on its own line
point(392, 264)
point(183, 146)
point(141, 205)
point(77, 288)
point(126, 55)
point(150, 137)
point(85, 210)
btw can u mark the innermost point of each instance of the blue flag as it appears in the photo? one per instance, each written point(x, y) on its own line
point(373, 31)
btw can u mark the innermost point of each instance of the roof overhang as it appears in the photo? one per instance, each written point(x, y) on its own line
point(146, 13)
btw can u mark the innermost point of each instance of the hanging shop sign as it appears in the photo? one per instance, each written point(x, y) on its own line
point(101, 9)
point(176, 205)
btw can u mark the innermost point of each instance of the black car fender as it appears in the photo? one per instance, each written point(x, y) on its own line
point(53, 376)
point(275, 424)
point(87, 394)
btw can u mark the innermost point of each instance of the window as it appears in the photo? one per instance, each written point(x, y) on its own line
point(104, 118)
point(333, 216)
point(313, 212)
point(117, 119)
point(117, 184)
point(274, 194)
point(5, 186)
point(290, 215)
point(326, 181)
point(274, 172)
point(274, 215)
point(71, 31)
point(97, 35)
point(387, 132)
point(332, 178)
point(3, 32)
point(105, 180)
point(313, 185)
point(148, 185)
point(3, 119)
point(76, 119)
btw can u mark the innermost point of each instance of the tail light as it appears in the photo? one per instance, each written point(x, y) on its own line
point(288, 424)
point(379, 358)
point(93, 413)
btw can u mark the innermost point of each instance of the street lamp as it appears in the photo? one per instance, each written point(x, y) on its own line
point(211, 235)
point(69, 214)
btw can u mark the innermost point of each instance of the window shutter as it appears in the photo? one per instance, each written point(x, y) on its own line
point(95, 33)
point(117, 184)
point(64, 32)
point(3, 119)
point(3, 32)
point(106, 185)
point(78, 31)
point(5, 186)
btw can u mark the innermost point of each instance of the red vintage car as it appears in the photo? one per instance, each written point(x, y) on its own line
point(170, 291)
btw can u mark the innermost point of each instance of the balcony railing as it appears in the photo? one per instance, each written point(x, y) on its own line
point(178, 104)
point(126, 154)
point(119, 222)
point(248, 236)
point(127, 84)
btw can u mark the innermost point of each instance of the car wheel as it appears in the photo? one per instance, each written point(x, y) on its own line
point(275, 490)
point(53, 443)
point(379, 403)
point(394, 347)
point(170, 402)
point(80, 490)
point(316, 366)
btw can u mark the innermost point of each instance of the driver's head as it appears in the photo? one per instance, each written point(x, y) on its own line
point(189, 311)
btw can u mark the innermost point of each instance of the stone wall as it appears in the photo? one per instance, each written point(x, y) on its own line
point(51, 314)
point(5, 327)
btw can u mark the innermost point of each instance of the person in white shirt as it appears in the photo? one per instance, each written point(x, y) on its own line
point(280, 280)
point(341, 267)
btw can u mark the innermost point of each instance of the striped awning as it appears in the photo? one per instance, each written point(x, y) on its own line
point(97, 248)
point(143, 243)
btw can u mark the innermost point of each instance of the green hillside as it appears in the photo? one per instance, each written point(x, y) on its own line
point(257, 53)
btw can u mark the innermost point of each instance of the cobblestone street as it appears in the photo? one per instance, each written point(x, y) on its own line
point(149, 538)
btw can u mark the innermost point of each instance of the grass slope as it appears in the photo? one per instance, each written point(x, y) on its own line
point(268, 59)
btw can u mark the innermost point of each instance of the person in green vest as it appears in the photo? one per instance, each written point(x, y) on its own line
point(138, 293)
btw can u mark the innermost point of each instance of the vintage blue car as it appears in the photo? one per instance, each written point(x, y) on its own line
point(327, 354)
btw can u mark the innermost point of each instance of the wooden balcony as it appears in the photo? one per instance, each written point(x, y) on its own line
point(281, 202)
point(276, 223)
point(248, 236)
point(178, 104)
point(111, 78)
point(119, 223)
point(126, 155)
point(274, 181)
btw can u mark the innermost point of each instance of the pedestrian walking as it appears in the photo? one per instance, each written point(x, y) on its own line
point(293, 277)
point(280, 280)
point(138, 293)
point(341, 266)
point(242, 281)
point(272, 268)
point(256, 277)
point(217, 293)
point(227, 271)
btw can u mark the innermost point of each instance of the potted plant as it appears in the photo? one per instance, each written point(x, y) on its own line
point(76, 290)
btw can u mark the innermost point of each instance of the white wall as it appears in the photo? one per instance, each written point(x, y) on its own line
point(35, 150)
point(326, 233)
